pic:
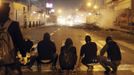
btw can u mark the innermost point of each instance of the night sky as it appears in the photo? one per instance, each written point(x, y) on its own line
point(67, 4)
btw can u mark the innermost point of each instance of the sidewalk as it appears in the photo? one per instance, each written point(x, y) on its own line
point(126, 30)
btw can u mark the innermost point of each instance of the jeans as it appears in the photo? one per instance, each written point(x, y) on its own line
point(34, 59)
point(106, 63)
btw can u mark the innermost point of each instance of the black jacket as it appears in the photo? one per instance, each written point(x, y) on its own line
point(113, 51)
point(16, 35)
point(46, 49)
point(89, 51)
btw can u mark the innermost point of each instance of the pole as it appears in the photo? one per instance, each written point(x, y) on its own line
point(132, 4)
point(16, 15)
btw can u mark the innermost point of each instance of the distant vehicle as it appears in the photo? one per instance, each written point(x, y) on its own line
point(51, 19)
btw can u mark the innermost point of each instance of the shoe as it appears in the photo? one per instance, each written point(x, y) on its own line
point(113, 72)
point(29, 68)
point(107, 71)
point(60, 71)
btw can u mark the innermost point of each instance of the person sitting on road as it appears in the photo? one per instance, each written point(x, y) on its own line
point(88, 53)
point(68, 56)
point(46, 51)
point(113, 58)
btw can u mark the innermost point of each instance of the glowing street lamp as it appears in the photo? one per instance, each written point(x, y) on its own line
point(34, 12)
point(88, 4)
point(89, 13)
point(47, 16)
point(59, 11)
point(95, 7)
point(0, 3)
point(76, 10)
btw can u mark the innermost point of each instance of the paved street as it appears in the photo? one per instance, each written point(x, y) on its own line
point(59, 34)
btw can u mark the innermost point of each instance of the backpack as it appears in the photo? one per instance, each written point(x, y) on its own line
point(7, 51)
point(67, 57)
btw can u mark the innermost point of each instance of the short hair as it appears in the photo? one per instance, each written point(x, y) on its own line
point(47, 36)
point(5, 8)
point(87, 38)
point(108, 38)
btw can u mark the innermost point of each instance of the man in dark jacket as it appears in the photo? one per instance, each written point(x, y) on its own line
point(88, 52)
point(14, 31)
point(46, 51)
point(113, 58)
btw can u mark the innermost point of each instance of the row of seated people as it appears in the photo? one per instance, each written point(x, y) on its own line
point(46, 53)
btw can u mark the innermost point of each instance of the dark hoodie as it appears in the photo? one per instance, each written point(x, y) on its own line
point(46, 48)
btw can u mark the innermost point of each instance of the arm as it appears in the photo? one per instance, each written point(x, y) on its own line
point(17, 37)
point(75, 53)
point(95, 48)
point(103, 50)
point(81, 55)
point(53, 47)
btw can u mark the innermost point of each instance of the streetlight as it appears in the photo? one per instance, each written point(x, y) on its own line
point(88, 4)
point(76, 10)
point(89, 13)
point(34, 12)
point(59, 11)
point(95, 7)
point(47, 16)
point(0, 3)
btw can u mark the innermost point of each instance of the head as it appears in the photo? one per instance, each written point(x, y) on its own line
point(88, 39)
point(4, 11)
point(46, 37)
point(68, 42)
point(109, 38)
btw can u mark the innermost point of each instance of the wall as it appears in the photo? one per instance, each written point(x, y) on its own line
point(18, 12)
point(123, 5)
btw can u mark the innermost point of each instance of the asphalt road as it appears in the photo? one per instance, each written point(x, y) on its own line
point(59, 35)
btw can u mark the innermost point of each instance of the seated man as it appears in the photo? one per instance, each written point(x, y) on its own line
point(46, 51)
point(113, 58)
point(88, 52)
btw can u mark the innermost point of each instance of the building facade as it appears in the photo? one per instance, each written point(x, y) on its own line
point(126, 9)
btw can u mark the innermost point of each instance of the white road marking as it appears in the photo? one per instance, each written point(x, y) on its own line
point(97, 67)
point(125, 44)
point(100, 44)
point(55, 32)
point(52, 34)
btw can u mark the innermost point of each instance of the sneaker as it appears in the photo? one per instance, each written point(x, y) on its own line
point(29, 68)
point(113, 72)
point(107, 71)
point(90, 68)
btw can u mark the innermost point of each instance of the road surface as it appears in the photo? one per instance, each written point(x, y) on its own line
point(59, 35)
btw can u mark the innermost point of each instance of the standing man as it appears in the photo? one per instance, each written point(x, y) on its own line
point(16, 36)
point(113, 58)
point(88, 52)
